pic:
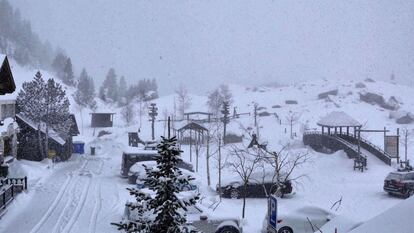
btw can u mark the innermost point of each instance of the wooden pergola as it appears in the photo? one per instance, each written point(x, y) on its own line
point(339, 123)
point(193, 128)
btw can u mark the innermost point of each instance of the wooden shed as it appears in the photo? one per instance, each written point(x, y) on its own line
point(101, 120)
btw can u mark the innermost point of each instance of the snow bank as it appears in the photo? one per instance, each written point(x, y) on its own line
point(396, 219)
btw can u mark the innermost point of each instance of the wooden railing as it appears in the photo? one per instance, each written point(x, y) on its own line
point(9, 188)
point(348, 143)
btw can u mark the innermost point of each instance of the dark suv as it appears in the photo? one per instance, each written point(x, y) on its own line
point(400, 183)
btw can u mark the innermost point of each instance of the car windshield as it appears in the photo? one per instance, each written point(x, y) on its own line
point(394, 176)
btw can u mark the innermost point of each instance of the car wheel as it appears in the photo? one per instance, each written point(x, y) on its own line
point(234, 194)
point(285, 230)
point(228, 229)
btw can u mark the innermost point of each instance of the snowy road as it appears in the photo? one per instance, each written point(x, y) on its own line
point(77, 196)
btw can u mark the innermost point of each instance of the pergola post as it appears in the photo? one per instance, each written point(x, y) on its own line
point(329, 130)
point(323, 130)
point(335, 130)
point(340, 130)
point(347, 130)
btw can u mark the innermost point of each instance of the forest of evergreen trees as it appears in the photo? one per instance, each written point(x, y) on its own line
point(20, 42)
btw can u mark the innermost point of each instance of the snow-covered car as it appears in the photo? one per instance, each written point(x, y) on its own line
point(138, 175)
point(206, 223)
point(260, 185)
point(304, 220)
point(199, 221)
point(138, 169)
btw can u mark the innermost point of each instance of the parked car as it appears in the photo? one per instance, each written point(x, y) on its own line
point(311, 219)
point(255, 189)
point(181, 187)
point(199, 221)
point(206, 223)
point(138, 175)
point(138, 168)
point(400, 183)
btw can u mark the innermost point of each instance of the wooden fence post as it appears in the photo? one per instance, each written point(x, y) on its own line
point(4, 199)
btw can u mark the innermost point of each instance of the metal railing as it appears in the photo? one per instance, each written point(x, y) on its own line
point(352, 142)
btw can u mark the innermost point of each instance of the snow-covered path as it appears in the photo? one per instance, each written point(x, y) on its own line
point(77, 196)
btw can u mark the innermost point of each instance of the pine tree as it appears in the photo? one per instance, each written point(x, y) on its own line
point(45, 102)
point(56, 112)
point(161, 213)
point(85, 92)
point(163, 180)
point(58, 64)
point(31, 103)
point(68, 77)
point(122, 92)
point(109, 89)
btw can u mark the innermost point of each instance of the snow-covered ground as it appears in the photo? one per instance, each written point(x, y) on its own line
point(86, 193)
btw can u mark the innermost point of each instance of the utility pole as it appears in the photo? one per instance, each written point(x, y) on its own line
point(169, 126)
point(225, 119)
point(152, 114)
point(255, 114)
point(219, 165)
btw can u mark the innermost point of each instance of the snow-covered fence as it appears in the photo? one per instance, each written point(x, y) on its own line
point(9, 188)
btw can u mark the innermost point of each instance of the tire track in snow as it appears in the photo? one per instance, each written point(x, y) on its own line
point(55, 203)
point(70, 201)
point(57, 200)
point(79, 207)
point(96, 209)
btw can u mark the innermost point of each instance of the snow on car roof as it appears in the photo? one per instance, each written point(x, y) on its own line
point(139, 150)
point(337, 119)
point(6, 123)
point(139, 166)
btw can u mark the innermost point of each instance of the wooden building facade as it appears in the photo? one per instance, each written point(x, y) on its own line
point(60, 145)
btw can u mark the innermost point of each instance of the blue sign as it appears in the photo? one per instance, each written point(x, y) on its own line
point(273, 212)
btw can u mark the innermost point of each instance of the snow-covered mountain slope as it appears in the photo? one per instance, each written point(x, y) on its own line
point(86, 185)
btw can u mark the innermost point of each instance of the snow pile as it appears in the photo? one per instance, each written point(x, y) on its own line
point(397, 219)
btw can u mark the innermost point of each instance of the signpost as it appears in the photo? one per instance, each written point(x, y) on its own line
point(272, 223)
point(391, 145)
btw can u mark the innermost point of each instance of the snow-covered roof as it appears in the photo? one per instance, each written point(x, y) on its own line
point(6, 123)
point(337, 119)
point(396, 219)
point(52, 133)
point(193, 126)
point(2, 57)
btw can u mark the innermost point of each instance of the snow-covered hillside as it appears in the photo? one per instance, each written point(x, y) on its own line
point(87, 193)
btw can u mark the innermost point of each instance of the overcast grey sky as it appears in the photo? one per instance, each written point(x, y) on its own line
point(205, 43)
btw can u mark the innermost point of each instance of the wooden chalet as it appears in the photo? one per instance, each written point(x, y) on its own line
point(60, 145)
